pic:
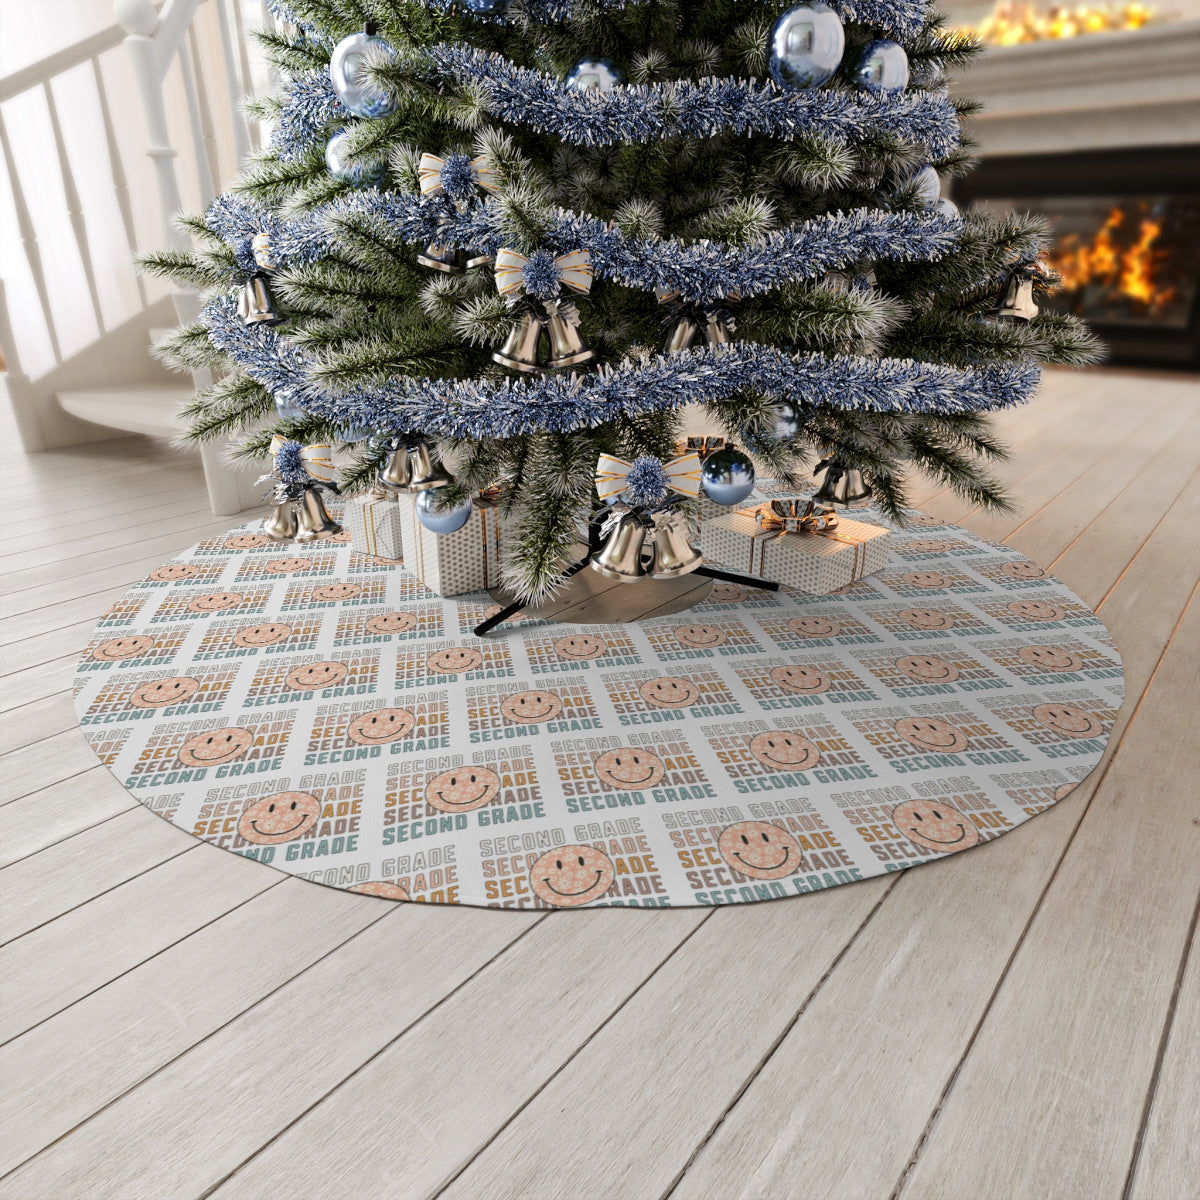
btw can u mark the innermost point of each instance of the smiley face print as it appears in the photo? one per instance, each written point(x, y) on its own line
point(929, 545)
point(286, 566)
point(1035, 610)
point(1049, 658)
point(246, 541)
point(455, 660)
point(381, 725)
point(123, 647)
point(216, 748)
point(704, 637)
point(531, 707)
point(814, 627)
point(760, 850)
point(925, 579)
point(667, 692)
point(925, 521)
point(726, 593)
point(935, 825)
point(380, 888)
point(270, 634)
point(626, 768)
point(462, 789)
point(779, 750)
point(162, 692)
point(932, 734)
point(393, 622)
point(927, 618)
point(1023, 570)
point(927, 668)
point(280, 817)
point(571, 875)
point(214, 602)
point(803, 681)
point(333, 592)
point(1069, 720)
point(317, 676)
point(580, 646)
point(174, 572)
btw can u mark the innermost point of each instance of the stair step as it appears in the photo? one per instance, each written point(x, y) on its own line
point(150, 408)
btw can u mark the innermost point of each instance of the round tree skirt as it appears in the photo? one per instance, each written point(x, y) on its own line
point(323, 712)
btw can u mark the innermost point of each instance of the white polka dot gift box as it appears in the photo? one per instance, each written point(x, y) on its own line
point(467, 560)
point(375, 525)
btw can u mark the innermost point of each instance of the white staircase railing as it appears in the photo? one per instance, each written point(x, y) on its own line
point(90, 188)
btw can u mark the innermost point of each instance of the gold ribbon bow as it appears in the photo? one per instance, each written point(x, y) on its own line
point(429, 171)
point(317, 458)
point(683, 475)
point(574, 270)
point(787, 516)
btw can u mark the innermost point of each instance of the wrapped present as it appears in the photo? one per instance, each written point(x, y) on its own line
point(450, 564)
point(797, 544)
point(375, 524)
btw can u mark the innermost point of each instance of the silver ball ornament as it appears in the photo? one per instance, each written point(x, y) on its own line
point(341, 166)
point(883, 67)
point(806, 45)
point(595, 75)
point(787, 422)
point(446, 520)
point(727, 476)
point(347, 70)
point(927, 186)
point(287, 408)
point(946, 207)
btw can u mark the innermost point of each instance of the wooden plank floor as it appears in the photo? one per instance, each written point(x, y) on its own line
point(1015, 1024)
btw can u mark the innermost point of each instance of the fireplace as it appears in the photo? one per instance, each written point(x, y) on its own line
point(1127, 241)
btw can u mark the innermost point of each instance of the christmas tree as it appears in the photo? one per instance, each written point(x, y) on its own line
point(533, 232)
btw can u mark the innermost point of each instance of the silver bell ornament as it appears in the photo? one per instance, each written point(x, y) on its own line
point(347, 71)
point(313, 521)
point(727, 476)
point(717, 325)
point(281, 524)
point(806, 46)
point(395, 474)
point(595, 75)
point(447, 259)
point(256, 305)
point(520, 349)
point(621, 555)
point(1016, 299)
point(841, 485)
point(444, 520)
point(671, 552)
point(567, 347)
point(883, 67)
point(423, 472)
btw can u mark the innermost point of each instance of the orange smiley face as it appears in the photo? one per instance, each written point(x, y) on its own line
point(1023, 570)
point(667, 692)
point(927, 668)
point(214, 749)
point(927, 618)
point(380, 888)
point(935, 825)
point(1069, 720)
point(932, 733)
point(626, 768)
point(1064, 790)
point(727, 593)
point(925, 579)
point(281, 817)
point(1049, 658)
point(393, 622)
point(703, 636)
point(122, 647)
point(532, 707)
point(925, 521)
point(462, 789)
point(380, 726)
point(814, 627)
point(1035, 610)
point(580, 646)
point(214, 602)
point(928, 545)
point(285, 566)
point(454, 661)
point(246, 541)
point(760, 850)
point(263, 635)
point(571, 875)
point(174, 572)
point(333, 592)
point(781, 751)
point(164, 691)
point(317, 676)
point(803, 681)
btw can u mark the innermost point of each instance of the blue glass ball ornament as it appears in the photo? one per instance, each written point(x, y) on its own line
point(927, 185)
point(806, 45)
point(287, 408)
point(595, 74)
point(946, 207)
point(347, 70)
point(727, 476)
point(883, 67)
point(340, 166)
point(446, 520)
point(787, 422)
point(355, 433)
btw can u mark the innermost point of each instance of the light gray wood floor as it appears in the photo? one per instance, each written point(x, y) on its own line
point(1019, 1023)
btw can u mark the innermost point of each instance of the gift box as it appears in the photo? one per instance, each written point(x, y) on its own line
point(450, 564)
point(375, 525)
point(816, 560)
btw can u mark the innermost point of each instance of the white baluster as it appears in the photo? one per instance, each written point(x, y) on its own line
point(196, 119)
point(16, 382)
point(237, 86)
